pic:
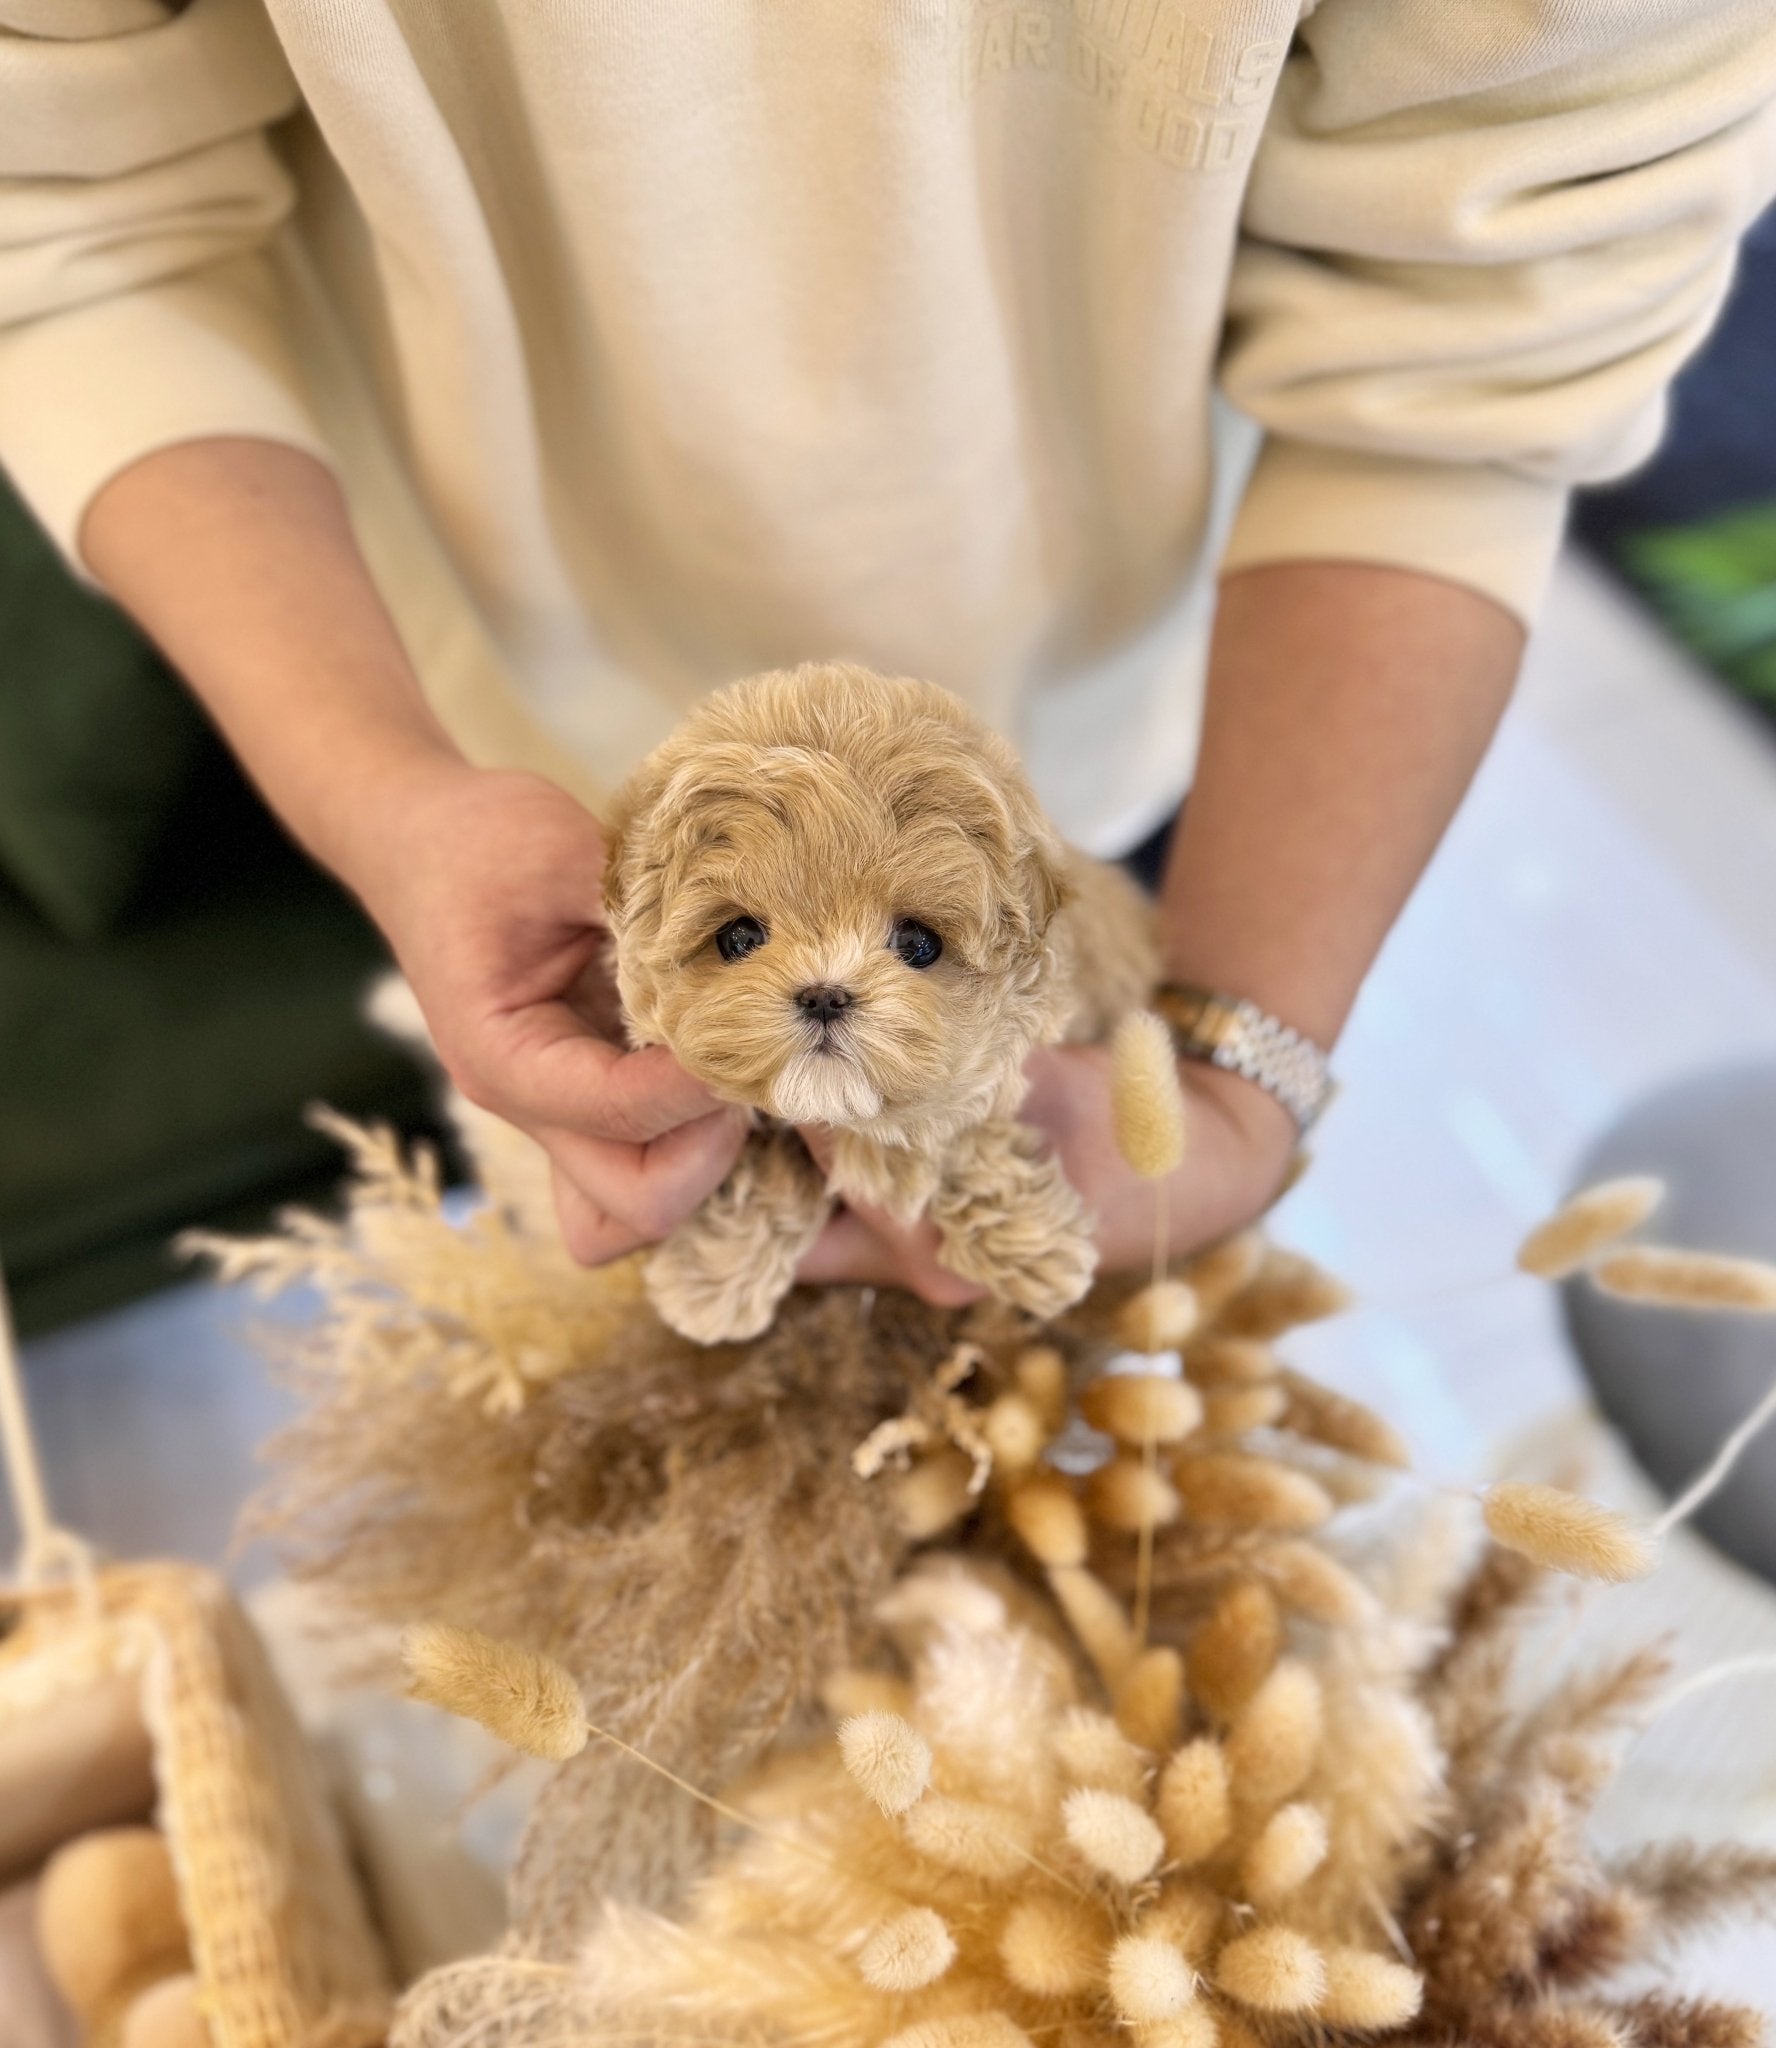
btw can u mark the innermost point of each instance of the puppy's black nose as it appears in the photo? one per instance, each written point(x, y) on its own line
point(823, 1002)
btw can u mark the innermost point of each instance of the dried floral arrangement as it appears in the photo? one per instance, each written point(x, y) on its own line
point(979, 1855)
point(491, 1436)
point(1169, 1744)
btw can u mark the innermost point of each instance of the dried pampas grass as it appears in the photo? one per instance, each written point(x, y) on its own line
point(964, 1918)
point(1513, 1913)
point(1166, 1757)
point(495, 1439)
point(961, 1917)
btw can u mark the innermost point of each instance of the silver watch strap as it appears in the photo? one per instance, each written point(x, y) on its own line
point(1234, 1034)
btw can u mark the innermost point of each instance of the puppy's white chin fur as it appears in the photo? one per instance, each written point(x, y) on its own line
point(824, 1088)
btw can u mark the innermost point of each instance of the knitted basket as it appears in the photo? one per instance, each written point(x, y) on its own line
point(146, 1684)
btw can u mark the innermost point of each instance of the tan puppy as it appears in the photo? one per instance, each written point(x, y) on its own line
point(835, 898)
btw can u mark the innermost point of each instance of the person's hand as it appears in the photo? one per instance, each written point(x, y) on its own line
point(487, 885)
point(1237, 1147)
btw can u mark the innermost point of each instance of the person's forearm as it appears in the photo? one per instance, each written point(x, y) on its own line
point(1348, 706)
point(238, 557)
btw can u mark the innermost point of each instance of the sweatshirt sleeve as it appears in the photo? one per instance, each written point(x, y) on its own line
point(1477, 244)
point(138, 193)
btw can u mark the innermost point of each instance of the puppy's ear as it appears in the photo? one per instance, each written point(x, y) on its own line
point(628, 838)
point(612, 884)
point(1048, 885)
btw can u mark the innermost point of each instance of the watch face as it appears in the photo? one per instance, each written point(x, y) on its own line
point(1202, 1021)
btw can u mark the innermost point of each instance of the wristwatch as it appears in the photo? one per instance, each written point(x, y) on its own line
point(1234, 1034)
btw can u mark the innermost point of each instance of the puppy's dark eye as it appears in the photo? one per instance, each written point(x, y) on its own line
point(738, 937)
point(917, 944)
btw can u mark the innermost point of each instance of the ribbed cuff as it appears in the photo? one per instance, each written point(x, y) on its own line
point(85, 393)
point(1469, 523)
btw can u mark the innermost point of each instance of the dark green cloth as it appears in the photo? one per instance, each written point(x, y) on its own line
point(97, 740)
point(159, 1078)
point(177, 983)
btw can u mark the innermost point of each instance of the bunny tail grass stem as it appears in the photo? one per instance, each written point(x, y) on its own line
point(1144, 1554)
point(1708, 1483)
point(1389, 1925)
point(531, 1703)
point(1162, 1207)
point(717, 1806)
point(1712, 1675)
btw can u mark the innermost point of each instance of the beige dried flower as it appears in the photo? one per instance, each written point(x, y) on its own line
point(1287, 1290)
point(1564, 1532)
point(888, 1757)
point(1113, 1834)
point(1197, 2026)
point(1149, 1979)
point(1222, 1361)
point(1146, 1102)
point(1194, 1806)
point(1015, 1432)
point(1580, 1228)
point(1142, 1407)
point(970, 1835)
point(1150, 1699)
point(524, 1698)
point(1096, 1617)
point(1219, 1273)
point(1325, 1417)
point(1041, 1375)
point(1289, 1849)
point(913, 1949)
point(1271, 1747)
point(1046, 1516)
point(1092, 1750)
point(1232, 1653)
point(1304, 1578)
point(1190, 1915)
point(1235, 1411)
point(1247, 1492)
point(1272, 1969)
point(1052, 1947)
point(1128, 1494)
point(1161, 1317)
point(1368, 1991)
point(934, 1494)
point(1668, 1278)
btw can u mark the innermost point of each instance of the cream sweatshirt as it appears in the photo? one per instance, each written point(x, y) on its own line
point(658, 341)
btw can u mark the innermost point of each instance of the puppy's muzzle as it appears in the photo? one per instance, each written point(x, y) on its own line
point(824, 1004)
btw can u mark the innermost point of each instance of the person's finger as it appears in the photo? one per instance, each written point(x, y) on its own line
point(650, 1189)
point(864, 1248)
point(547, 1068)
point(592, 1238)
point(818, 1138)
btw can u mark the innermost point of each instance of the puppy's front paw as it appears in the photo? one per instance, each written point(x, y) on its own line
point(701, 1291)
point(1010, 1221)
point(720, 1275)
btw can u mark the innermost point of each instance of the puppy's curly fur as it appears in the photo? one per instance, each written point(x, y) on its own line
point(827, 812)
